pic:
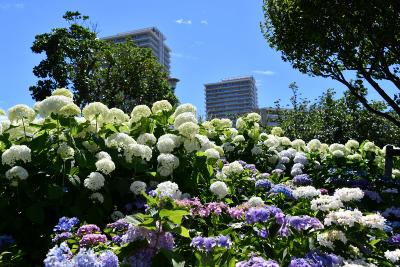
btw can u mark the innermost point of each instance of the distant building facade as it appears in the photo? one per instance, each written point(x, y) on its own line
point(269, 116)
point(149, 38)
point(230, 98)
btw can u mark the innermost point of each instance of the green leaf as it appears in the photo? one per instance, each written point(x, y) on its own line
point(174, 216)
point(182, 231)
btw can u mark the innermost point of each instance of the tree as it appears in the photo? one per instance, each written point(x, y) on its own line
point(335, 120)
point(119, 75)
point(354, 42)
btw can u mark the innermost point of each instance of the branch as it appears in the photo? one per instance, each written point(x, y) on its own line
point(364, 101)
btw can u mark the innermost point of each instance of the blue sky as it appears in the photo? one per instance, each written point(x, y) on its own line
point(210, 40)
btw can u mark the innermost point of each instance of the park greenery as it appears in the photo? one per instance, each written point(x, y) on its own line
point(335, 119)
point(120, 75)
point(154, 187)
point(353, 42)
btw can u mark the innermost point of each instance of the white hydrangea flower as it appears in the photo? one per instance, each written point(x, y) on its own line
point(147, 139)
point(5, 124)
point(298, 144)
point(21, 113)
point(169, 188)
point(255, 117)
point(225, 123)
point(185, 108)
point(103, 155)
point(94, 181)
point(16, 153)
point(284, 141)
point(184, 117)
point(338, 154)
point(256, 150)
point(165, 144)
point(307, 192)
point(272, 141)
point(343, 217)
point(136, 150)
point(327, 239)
point(357, 262)
point(355, 156)
point(324, 148)
point(212, 153)
point(189, 129)
point(238, 139)
point(232, 169)
point(166, 164)
point(105, 165)
point(240, 124)
point(396, 173)
point(336, 146)
point(53, 104)
point(63, 92)
point(95, 111)
point(116, 115)
point(228, 147)
point(97, 197)
point(393, 256)
point(277, 131)
point(17, 172)
point(369, 146)
point(119, 140)
point(296, 171)
point(160, 106)
point(255, 201)
point(349, 194)
point(376, 221)
point(352, 145)
point(70, 110)
point(314, 145)
point(191, 145)
point(138, 187)
point(325, 203)
point(139, 112)
point(65, 151)
point(219, 188)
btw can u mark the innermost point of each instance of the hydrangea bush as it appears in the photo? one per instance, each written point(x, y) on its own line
point(157, 188)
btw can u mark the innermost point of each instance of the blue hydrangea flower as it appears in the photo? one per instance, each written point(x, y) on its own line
point(86, 258)
point(66, 224)
point(6, 240)
point(59, 256)
point(224, 241)
point(394, 240)
point(108, 259)
point(302, 179)
point(263, 184)
point(283, 189)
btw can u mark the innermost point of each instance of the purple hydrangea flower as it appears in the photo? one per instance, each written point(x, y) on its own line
point(263, 233)
point(87, 229)
point(117, 239)
point(208, 243)
point(250, 167)
point(302, 179)
point(304, 222)
point(86, 258)
point(255, 215)
point(92, 240)
point(141, 258)
point(66, 224)
point(224, 241)
point(119, 225)
point(235, 213)
point(393, 240)
point(263, 184)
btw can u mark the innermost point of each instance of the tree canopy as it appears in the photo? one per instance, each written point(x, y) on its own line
point(354, 42)
point(119, 75)
point(335, 120)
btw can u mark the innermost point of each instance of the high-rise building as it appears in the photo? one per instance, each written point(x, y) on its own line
point(150, 38)
point(231, 97)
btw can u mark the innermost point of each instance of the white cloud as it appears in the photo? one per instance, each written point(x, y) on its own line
point(8, 6)
point(204, 22)
point(264, 72)
point(183, 21)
